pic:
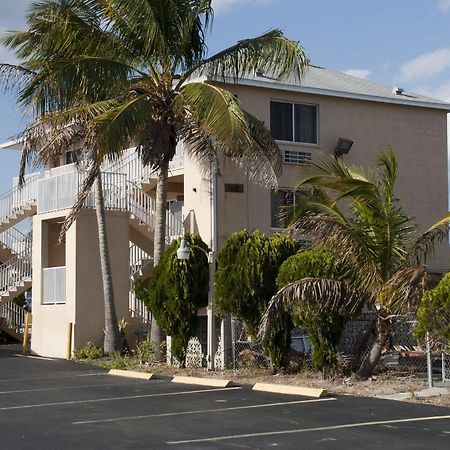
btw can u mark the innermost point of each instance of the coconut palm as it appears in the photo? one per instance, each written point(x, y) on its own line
point(127, 70)
point(379, 247)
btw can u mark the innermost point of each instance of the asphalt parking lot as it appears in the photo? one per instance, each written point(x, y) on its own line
point(54, 404)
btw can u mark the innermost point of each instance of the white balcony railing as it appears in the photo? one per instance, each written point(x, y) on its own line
point(60, 191)
point(54, 285)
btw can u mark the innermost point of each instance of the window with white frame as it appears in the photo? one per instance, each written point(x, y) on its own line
point(294, 122)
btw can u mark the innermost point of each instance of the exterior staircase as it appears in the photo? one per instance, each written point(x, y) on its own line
point(12, 320)
point(12, 242)
point(56, 189)
point(18, 204)
point(15, 276)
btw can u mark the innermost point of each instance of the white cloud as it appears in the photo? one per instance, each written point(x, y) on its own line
point(223, 5)
point(425, 66)
point(360, 73)
point(443, 5)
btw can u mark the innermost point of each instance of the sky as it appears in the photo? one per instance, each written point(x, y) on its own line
point(404, 43)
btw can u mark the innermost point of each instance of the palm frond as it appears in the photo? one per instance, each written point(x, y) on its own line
point(91, 174)
point(346, 242)
point(271, 52)
point(313, 294)
point(234, 132)
point(13, 77)
point(401, 294)
point(425, 244)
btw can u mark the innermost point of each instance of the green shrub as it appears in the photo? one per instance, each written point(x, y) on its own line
point(176, 290)
point(433, 314)
point(246, 275)
point(323, 322)
point(89, 351)
point(144, 351)
point(310, 263)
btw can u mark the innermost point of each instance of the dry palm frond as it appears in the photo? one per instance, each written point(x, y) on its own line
point(401, 294)
point(91, 175)
point(312, 294)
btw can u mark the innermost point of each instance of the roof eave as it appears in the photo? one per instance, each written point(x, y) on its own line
point(11, 145)
point(330, 93)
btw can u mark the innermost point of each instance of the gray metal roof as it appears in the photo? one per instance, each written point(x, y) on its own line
point(318, 80)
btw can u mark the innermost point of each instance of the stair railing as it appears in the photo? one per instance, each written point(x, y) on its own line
point(139, 259)
point(15, 271)
point(141, 205)
point(15, 240)
point(13, 315)
point(16, 199)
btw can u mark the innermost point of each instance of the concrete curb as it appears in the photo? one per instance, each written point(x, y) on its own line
point(214, 382)
point(291, 390)
point(131, 374)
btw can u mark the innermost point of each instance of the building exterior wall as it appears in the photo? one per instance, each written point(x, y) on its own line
point(84, 292)
point(417, 135)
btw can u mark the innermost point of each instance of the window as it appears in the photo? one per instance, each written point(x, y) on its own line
point(237, 188)
point(283, 206)
point(294, 122)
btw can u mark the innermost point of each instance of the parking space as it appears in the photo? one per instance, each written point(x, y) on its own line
point(53, 404)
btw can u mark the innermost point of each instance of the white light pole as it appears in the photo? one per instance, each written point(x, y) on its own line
point(184, 252)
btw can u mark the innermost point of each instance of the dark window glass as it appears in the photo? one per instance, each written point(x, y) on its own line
point(305, 124)
point(281, 121)
point(239, 188)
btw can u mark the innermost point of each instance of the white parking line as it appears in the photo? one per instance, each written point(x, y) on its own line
point(306, 430)
point(201, 411)
point(65, 388)
point(18, 380)
point(110, 399)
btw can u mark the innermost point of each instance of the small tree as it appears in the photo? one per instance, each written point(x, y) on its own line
point(323, 319)
point(433, 315)
point(176, 290)
point(246, 276)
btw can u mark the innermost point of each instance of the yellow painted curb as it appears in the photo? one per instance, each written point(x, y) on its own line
point(292, 390)
point(131, 374)
point(202, 381)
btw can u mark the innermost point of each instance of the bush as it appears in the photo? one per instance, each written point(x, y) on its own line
point(89, 351)
point(246, 275)
point(324, 322)
point(144, 351)
point(121, 361)
point(433, 314)
point(176, 290)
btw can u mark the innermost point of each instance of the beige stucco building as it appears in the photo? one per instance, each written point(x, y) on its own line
point(306, 118)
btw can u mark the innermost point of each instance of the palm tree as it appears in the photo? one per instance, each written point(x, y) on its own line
point(127, 68)
point(378, 246)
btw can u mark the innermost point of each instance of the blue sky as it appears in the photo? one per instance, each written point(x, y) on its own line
point(404, 43)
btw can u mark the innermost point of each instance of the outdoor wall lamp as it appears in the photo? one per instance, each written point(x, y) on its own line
point(343, 146)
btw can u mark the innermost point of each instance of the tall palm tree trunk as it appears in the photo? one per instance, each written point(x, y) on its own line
point(112, 341)
point(157, 334)
point(382, 331)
